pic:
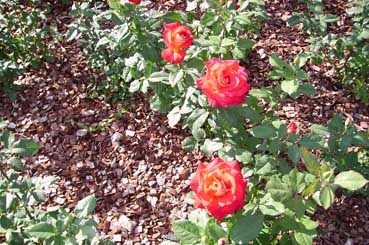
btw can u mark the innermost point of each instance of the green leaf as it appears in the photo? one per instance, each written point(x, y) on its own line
point(15, 164)
point(263, 131)
point(159, 76)
point(245, 43)
point(301, 59)
point(307, 89)
point(311, 163)
point(294, 153)
point(175, 77)
point(277, 62)
point(134, 86)
point(294, 20)
point(290, 86)
point(211, 146)
point(42, 230)
point(303, 238)
point(3, 124)
point(271, 207)
point(25, 148)
point(186, 231)
point(174, 116)
point(243, 156)
point(326, 197)
point(350, 180)
point(189, 143)
point(7, 138)
point(247, 228)
point(200, 120)
point(114, 4)
point(85, 207)
point(311, 141)
point(319, 129)
point(172, 17)
point(215, 231)
point(280, 191)
point(208, 19)
point(336, 124)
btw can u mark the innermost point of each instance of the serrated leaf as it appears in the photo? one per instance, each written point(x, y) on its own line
point(311, 141)
point(25, 148)
point(186, 231)
point(350, 180)
point(294, 153)
point(247, 228)
point(326, 197)
point(290, 86)
point(85, 207)
point(311, 163)
point(42, 230)
point(276, 62)
point(280, 191)
point(189, 143)
point(319, 129)
point(211, 146)
point(263, 131)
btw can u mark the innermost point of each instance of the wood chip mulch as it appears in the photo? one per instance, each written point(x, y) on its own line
point(136, 167)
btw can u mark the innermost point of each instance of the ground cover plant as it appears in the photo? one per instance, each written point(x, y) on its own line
point(22, 40)
point(264, 178)
point(344, 50)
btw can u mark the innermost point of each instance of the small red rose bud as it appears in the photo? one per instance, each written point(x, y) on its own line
point(292, 128)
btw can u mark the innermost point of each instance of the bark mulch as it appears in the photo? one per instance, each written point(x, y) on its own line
point(135, 166)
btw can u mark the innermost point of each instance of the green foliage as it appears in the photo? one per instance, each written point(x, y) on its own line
point(346, 52)
point(21, 220)
point(116, 42)
point(22, 40)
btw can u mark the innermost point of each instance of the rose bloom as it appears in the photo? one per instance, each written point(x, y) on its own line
point(225, 83)
point(173, 57)
point(177, 36)
point(219, 187)
point(135, 1)
point(292, 128)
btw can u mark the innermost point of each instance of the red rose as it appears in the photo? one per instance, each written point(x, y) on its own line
point(173, 57)
point(225, 83)
point(135, 1)
point(177, 36)
point(292, 128)
point(219, 187)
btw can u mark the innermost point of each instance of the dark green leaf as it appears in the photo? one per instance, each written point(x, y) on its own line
point(247, 228)
point(25, 148)
point(186, 231)
point(42, 230)
point(85, 207)
point(311, 163)
point(264, 131)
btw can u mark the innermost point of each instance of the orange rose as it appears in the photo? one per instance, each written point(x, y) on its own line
point(219, 187)
point(135, 1)
point(173, 57)
point(225, 83)
point(177, 36)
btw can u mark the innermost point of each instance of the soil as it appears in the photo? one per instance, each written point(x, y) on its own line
point(135, 165)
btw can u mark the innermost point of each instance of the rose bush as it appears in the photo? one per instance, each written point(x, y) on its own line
point(285, 181)
point(219, 187)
